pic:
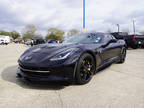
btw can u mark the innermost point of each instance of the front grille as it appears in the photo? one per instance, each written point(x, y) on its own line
point(49, 71)
point(34, 71)
point(33, 68)
point(35, 74)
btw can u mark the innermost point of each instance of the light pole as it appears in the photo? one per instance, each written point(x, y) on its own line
point(134, 26)
point(83, 15)
point(118, 27)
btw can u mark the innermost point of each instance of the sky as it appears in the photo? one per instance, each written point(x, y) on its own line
point(101, 15)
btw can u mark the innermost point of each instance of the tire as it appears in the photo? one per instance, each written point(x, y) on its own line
point(85, 69)
point(122, 55)
point(142, 45)
point(126, 44)
point(134, 46)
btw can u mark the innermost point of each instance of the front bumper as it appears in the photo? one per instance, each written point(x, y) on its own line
point(63, 73)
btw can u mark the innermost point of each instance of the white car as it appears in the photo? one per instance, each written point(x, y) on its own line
point(28, 42)
point(1, 41)
point(4, 40)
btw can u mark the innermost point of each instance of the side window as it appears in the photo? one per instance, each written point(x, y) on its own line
point(98, 39)
point(101, 38)
point(107, 37)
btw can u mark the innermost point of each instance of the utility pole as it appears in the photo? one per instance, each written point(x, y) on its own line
point(134, 26)
point(118, 27)
point(83, 15)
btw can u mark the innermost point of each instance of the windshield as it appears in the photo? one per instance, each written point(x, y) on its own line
point(84, 39)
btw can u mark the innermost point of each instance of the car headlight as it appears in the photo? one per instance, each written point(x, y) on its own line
point(64, 54)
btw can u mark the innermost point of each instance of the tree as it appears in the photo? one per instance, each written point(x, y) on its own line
point(29, 31)
point(4, 33)
point(73, 32)
point(15, 34)
point(54, 33)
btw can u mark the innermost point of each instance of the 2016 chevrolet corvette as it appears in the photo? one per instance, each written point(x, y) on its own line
point(76, 59)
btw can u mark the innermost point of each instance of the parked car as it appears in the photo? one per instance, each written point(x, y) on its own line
point(28, 42)
point(129, 39)
point(1, 41)
point(37, 40)
point(19, 40)
point(76, 59)
point(5, 39)
point(139, 40)
point(52, 41)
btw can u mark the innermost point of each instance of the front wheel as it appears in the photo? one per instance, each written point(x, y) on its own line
point(85, 69)
point(122, 55)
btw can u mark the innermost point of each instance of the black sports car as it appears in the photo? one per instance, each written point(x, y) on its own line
point(76, 59)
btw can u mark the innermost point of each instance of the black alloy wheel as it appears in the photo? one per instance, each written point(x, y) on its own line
point(85, 69)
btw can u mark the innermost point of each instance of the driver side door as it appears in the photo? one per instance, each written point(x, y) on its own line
point(108, 52)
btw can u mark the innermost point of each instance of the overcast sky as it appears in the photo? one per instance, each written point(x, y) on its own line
point(101, 15)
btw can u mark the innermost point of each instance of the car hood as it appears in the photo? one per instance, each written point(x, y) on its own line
point(52, 48)
point(41, 54)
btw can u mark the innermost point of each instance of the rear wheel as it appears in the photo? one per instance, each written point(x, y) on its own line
point(134, 46)
point(85, 69)
point(122, 56)
point(143, 45)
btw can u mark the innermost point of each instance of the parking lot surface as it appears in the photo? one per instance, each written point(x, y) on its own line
point(117, 86)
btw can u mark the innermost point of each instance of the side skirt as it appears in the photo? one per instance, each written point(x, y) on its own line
point(109, 61)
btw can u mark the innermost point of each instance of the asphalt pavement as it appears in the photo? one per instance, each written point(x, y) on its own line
point(117, 86)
